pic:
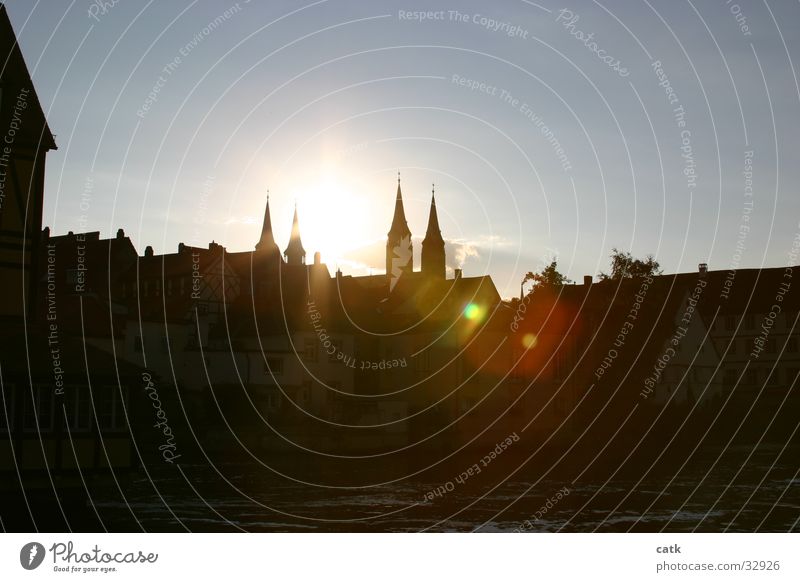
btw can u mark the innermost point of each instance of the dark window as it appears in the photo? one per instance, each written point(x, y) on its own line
point(110, 409)
point(749, 321)
point(791, 345)
point(40, 408)
point(333, 350)
point(138, 346)
point(424, 361)
point(274, 365)
point(79, 409)
point(730, 322)
point(7, 410)
point(310, 351)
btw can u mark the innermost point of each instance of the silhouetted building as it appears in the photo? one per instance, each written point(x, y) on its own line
point(433, 256)
point(295, 253)
point(25, 139)
point(399, 251)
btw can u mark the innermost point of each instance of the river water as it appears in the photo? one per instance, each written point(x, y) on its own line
point(743, 491)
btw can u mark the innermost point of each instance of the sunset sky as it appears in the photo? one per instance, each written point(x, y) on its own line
point(549, 130)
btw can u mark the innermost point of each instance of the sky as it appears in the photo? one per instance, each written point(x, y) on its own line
point(550, 130)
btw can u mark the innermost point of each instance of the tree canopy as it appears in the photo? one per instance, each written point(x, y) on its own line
point(547, 277)
point(625, 266)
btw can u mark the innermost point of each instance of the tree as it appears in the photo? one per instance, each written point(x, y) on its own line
point(548, 277)
point(624, 266)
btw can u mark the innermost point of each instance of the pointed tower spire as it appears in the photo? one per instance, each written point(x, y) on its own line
point(399, 224)
point(399, 253)
point(267, 241)
point(295, 253)
point(433, 256)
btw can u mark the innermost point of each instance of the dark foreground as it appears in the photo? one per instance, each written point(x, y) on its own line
point(737, 489)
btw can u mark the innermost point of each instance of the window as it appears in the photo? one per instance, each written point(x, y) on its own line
point(333, 351)
point(146, 288)
point(730, 322)
point(749, 321)
point(274, 365)
point(79, 409)
point(7, 411)
point(771, 346)
point(732, 347)
point(305, 392)
point(310, 351)
point(109, 408)
point(138, 346)
point(774, 377)
point(751, 377)
point(730, 377)
point(424, 361)
point(791, 345)
point(169, 287)
point(41, 409)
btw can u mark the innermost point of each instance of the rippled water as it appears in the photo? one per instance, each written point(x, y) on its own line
point(764, 496)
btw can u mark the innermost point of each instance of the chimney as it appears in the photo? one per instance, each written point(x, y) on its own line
point(120, 233)
point(458, 273)
point(181, 247)
point(702, 268)
point(317, 258)
point(587, 280)
point(148, 251)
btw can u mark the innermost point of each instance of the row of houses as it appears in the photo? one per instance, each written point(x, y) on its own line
point(114, 357)
point(254, 343)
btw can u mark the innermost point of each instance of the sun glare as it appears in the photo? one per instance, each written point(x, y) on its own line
point(333, 218)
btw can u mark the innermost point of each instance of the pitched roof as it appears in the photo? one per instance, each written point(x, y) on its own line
point(18, 89)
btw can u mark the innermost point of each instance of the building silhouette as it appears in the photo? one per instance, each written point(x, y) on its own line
point(260, 354)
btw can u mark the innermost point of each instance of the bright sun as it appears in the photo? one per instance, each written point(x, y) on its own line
point(333, 218)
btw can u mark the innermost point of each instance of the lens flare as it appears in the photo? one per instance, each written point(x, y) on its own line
point(529, 340)
point(473, 311)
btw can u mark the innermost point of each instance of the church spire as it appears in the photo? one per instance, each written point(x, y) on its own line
point(433, 256)
point(399, 224)
point(399, 253)
point(267, 240)
point(295, 253)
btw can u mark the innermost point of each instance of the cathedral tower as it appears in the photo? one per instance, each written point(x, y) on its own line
point(399, 253)
point(433, 258)
point(266, 244)
point(295, 253)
